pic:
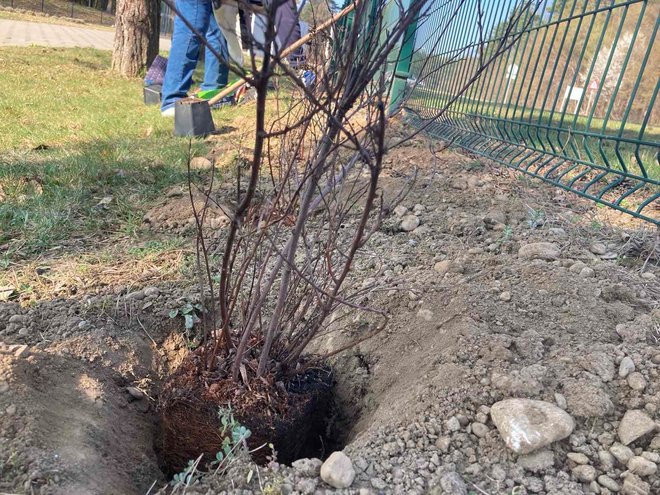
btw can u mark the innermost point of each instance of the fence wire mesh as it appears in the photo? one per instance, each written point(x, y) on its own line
point(572, 102)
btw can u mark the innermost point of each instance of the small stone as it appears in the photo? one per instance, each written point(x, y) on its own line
point(636, 381)
point(606, 460)
point(418, 209)
point(609, 483)
point(453, 424)
point(655, 443)
point(135, 392)
point(648, 276)
point(587, 272)
point(584, 473)
point(626, 367)
point(378, 483)
point(505, 296)
point(463, 420)
point(11, 409)
point(656, 359)
point(651, 456)
point(4, 386)
point(337, 471)
point(635, 424)
point(527, 425)
point(480, 430)
point(598, 248)
point(23, 332)
point(409, 223)
point(622, 453)
point(537, 461)
point(443, 443)
point(633, 485)
point(442, 267)
point(18, 319)
point(152, 292)
point(425, 314)
point(201, 163)
point(576, 267)
point(135, 296)
point(578, 458)
point(452, 484)
point(642, 467)
point(540, 250)
point(400, 211)
point(308, 467)
point(561, 401)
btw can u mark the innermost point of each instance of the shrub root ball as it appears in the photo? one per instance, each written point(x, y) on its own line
point(291, 414)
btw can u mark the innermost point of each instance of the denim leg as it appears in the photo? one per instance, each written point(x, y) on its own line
point(185, 50)
point(215, 72)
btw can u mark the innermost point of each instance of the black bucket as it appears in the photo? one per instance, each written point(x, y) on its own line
point(192, 117)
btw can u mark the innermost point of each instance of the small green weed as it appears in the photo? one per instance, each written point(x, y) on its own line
point(191, 314)
point(234, 438)
point(535, 218)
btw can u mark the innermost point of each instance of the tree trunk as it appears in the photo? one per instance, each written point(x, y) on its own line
point(136, 36)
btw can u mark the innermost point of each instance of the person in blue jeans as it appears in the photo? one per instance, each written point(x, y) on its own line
point(185, 53)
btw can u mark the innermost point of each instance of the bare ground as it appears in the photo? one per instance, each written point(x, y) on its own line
point(471, 323)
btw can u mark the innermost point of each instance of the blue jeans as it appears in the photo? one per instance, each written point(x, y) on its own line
point(185, 52)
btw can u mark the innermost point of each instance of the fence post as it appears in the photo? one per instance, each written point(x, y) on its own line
point(402, 70)
point(72, 9)
point(42, 5)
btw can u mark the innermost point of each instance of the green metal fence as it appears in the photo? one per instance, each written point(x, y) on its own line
point(573, 101)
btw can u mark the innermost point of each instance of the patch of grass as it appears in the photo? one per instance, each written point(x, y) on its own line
point(61, 9)
point(72, 135)
point(62, 21)
point(156, 246)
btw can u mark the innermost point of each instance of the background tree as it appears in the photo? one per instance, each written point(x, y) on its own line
point(137, 26)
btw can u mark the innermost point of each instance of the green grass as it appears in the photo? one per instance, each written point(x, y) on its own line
point(61, 9)
point(72, 133)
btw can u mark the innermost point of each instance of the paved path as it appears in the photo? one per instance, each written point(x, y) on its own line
point(23, 33)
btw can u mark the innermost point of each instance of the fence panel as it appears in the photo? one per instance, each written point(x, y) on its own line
point(574, 101)
point(84, 11)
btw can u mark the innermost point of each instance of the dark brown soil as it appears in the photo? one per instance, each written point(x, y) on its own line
point(289, 414)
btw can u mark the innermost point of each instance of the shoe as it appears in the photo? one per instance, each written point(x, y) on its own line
point(227, 100)
point(168, 112)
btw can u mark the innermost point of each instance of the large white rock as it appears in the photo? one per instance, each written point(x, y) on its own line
point(635, 424)
point(527, 425)
point(337, 471)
